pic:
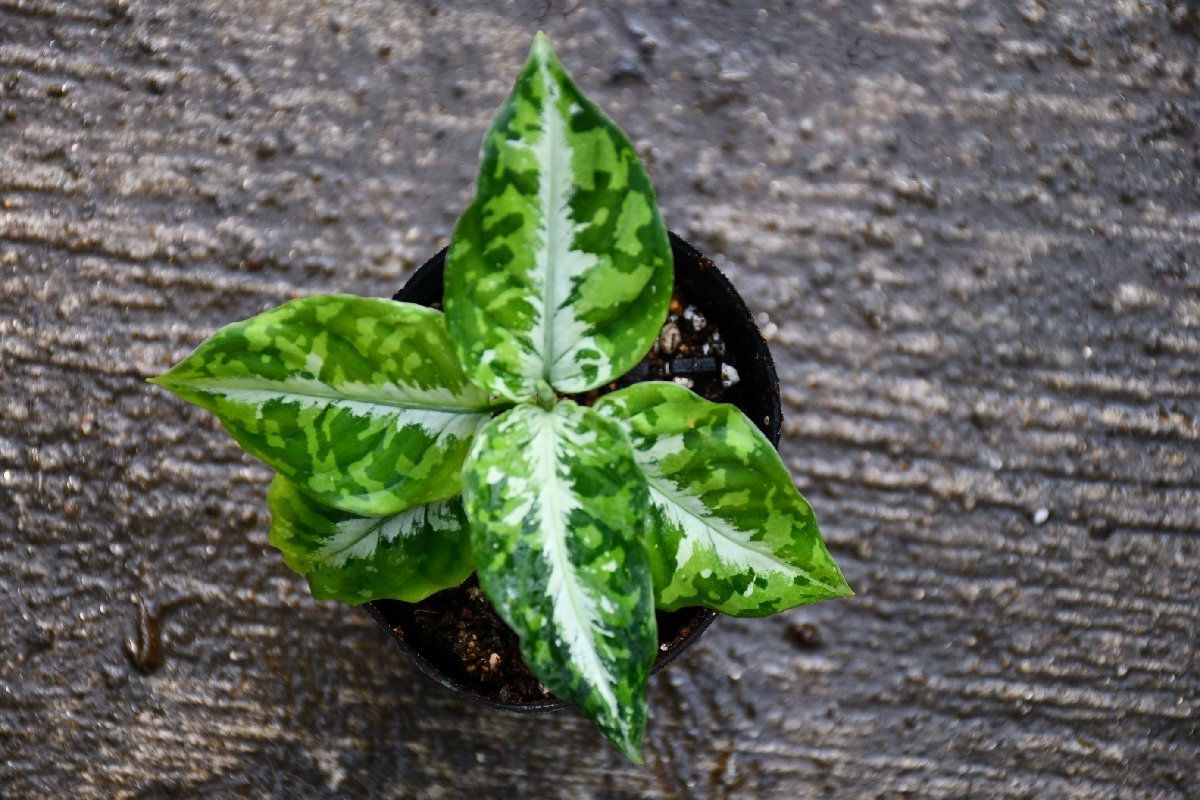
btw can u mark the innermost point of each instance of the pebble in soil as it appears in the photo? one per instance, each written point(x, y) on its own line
point(689, 351)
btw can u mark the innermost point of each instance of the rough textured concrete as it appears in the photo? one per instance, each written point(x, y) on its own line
point(971, 229)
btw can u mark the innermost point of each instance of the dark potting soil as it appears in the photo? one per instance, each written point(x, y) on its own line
point(457, 630)
point(689, 350)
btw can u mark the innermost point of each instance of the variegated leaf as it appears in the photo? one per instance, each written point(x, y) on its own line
point(556, 507)
point(729, 530)
point(360, 401)
point(560, 270)
point(404, 556)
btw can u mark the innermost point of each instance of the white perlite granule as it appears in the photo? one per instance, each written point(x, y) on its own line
point(729, 375)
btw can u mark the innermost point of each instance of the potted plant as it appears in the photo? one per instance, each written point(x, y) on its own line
point(709, 342)
point(415, 447)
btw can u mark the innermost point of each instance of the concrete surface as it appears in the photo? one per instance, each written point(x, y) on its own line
point(971, 228)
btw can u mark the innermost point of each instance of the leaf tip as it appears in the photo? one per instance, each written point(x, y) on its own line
point(634, 755)
point(164, 381)
point(171, 379)
point(841, 588)
point(541, 50)
point(629, 745)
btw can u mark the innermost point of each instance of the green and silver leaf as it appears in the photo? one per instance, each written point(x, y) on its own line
point(404, 556)
point(556, 506)
point(560, 271)
point(728, 529)
point(360, 401)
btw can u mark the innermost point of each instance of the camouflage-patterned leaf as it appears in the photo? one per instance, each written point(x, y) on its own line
point(404, 556)
point(729, 530)
point(556, 507)
point(359, 401)
point(560, 271)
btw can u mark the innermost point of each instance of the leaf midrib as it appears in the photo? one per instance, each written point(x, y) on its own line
point(673, 495)
point(549, 307)
point(556, 548)
point(372, 530)
point(257, 384)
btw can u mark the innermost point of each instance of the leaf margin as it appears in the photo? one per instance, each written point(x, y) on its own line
point(296, 517)
point(523, 364)
point(667, 537)
point(486, 481)
point(239, 345)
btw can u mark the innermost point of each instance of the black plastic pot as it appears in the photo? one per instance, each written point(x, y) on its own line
point(756, 393)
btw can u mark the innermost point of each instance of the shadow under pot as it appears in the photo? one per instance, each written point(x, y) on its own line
point(708, 343)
